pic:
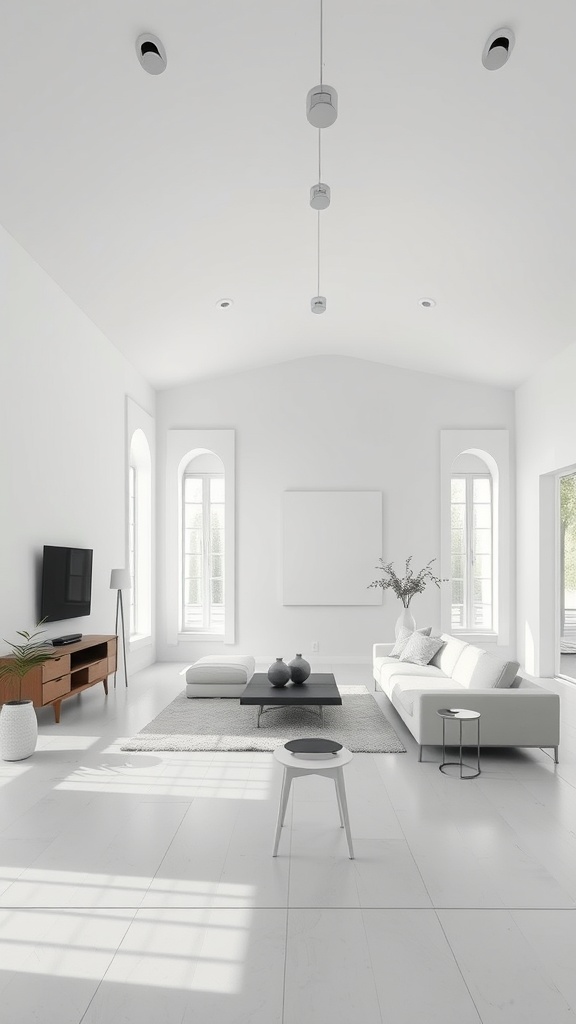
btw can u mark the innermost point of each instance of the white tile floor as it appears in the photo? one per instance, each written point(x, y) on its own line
point(140, 888)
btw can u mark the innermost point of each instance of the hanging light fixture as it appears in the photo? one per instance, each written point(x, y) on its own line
point(321, 111)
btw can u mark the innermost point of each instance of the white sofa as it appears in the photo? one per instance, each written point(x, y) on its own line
point(516, 714)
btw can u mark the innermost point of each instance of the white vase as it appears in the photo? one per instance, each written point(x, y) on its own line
point(18, 730)
point(404, 621)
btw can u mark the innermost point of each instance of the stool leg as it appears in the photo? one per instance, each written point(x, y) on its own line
point(339, 803)
point(344, 803)
point(286, 782)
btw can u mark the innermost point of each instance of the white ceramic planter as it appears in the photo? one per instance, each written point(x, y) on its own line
point(18, 730)
point(405, 621)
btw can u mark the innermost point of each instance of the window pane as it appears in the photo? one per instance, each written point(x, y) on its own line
point(217, 541)
point(483, 516)
point(482, 542)
point(217, 566)
point(193, 591)
point(193, 542)
point(458, 489)
point(458, 541)
point(458, 566)
point(217, 516)
point(192, 488)
point(193, 565)
point(458, 516)
point(482, 489)
point(457, 592)
point(217, 489)
point(457, 616)
point(483, 566)
point(217, 589)
point(482, 616)
point(193, 516)
point(483, 591)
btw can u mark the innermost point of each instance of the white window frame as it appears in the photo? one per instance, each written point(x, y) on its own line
point(207, 626)
point(133, 547)
point(469, 602)
point(182, 446)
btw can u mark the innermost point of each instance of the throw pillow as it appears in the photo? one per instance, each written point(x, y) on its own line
point(403, 638)
point(419, 649)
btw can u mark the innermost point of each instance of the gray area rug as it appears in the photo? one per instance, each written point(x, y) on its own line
point(216, 723)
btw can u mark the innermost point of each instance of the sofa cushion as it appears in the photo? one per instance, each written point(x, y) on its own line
point(421, 649)
point(404, 636)
point(449, 653)
point(407, 691)
point(482, 671)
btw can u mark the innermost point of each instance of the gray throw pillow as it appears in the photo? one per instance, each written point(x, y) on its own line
point(419, 650)
point(403, 638)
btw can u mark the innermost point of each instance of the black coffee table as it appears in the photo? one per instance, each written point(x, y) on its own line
point(319, 689)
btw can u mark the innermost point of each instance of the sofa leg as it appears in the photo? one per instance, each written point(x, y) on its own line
point(555, 755)
point(420, 752)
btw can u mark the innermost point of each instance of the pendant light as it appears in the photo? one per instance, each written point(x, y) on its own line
point(321, 111)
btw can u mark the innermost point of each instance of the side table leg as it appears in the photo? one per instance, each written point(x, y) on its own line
point(344, 803)
point(286, 782)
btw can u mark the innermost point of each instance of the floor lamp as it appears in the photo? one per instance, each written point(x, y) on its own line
point(119, 581)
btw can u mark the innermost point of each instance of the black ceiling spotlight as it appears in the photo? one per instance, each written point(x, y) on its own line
point(151, 53)
point(498, 49)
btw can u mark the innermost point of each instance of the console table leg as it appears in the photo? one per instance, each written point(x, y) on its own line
point(56, 707)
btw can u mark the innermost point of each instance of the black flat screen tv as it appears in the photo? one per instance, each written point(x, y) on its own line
point(66, 583)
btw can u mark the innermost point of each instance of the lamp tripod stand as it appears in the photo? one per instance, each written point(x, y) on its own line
point(119, 581)
point(120, 609)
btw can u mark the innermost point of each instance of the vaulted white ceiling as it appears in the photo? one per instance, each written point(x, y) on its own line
point(149, 198)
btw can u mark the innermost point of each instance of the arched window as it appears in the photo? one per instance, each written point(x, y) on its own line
point(472, 545)
point(203, 546)
point(140, 535)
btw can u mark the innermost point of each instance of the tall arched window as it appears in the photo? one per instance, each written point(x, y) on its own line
point(140, 535)
point(472, 545)
point(203, 546)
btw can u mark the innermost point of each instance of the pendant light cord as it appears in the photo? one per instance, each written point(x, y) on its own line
point(320, 132)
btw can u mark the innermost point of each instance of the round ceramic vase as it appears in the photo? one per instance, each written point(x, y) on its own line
point(405, 621)
point(299, 669)
point(279, 673)
point(18, 730)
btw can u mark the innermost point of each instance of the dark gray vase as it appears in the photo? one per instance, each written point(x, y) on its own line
point(278, 673)
point(299, 669)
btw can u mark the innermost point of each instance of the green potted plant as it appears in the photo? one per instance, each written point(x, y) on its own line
point(18, 725)
point(405, 587)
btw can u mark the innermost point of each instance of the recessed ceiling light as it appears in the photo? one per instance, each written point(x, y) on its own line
point(498, 49)
point(426, 303)
point(151, 53)
point(224, 303)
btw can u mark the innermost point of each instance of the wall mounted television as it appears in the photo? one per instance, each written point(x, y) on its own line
point(66, 583)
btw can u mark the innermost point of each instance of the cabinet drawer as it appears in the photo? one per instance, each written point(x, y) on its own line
point(55, 688)
point(98, 671)
point(55, 668)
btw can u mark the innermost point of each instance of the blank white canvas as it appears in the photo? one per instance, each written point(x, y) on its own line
point(332, 542)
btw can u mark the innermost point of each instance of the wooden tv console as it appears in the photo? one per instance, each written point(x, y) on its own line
point(71, 669)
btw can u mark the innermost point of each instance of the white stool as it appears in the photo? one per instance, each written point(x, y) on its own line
point(219, 675)
point(332, 766)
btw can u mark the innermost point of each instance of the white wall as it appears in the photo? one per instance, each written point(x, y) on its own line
point(62, 443)
point(330, 423)
point(546, 444)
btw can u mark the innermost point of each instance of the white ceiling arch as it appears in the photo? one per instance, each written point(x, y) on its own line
point(149, 198)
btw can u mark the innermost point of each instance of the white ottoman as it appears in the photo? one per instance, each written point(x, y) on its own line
point(219, 675)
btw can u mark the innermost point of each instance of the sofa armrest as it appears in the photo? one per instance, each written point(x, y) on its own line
point(516, 718)
point(381, 651)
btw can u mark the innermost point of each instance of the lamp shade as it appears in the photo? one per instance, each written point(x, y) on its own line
point(120, 579)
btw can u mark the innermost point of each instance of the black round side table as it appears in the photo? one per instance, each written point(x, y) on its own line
point(460, 715)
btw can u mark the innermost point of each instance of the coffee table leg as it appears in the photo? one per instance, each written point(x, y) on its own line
point(258, 716)
point(321, 710)
point(339, 803)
